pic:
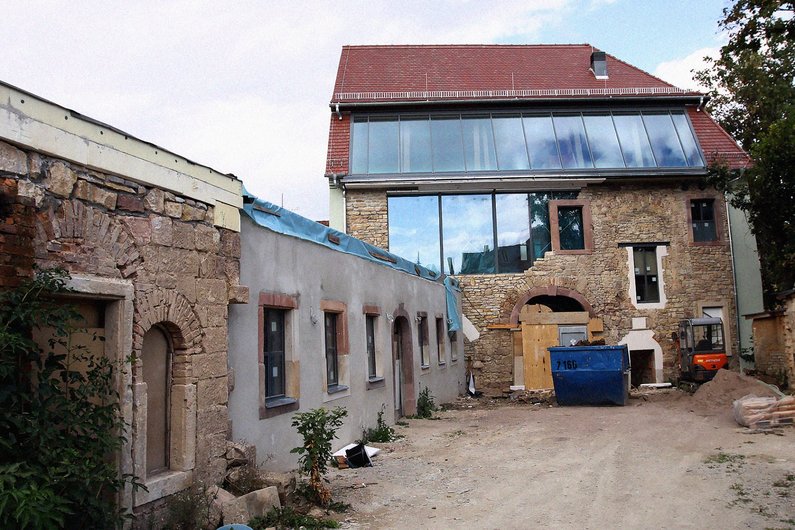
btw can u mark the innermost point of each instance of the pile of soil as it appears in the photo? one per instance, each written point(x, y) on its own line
point(720, 393)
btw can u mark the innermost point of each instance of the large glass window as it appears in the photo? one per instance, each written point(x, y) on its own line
point(414, 229)
point(415, 145)
point(572, 142)
point(514, 142)
point(382, 152)
point(522, 230)
point(687, 138)
point(359, 147)
point(447, 144)
point(541, 142)
point(468, 236)
point(479, 144)
point(514, 246)
point(634, 142)
point(511, 147)
point(602, 137)
point(664, 140)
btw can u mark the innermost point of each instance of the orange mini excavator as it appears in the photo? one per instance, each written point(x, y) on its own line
point(702, 349)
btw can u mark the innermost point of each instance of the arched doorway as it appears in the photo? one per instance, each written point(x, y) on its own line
point(403, 363)
point(545, 317)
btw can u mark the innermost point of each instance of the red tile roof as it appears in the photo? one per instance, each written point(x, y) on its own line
point(716, 144)
point(460, 72)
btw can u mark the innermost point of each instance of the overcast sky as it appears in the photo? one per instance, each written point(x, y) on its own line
point(244, 87)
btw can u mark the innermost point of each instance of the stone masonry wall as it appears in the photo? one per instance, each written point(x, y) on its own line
point(788, 362)
point(366, 217)
point(185, 271)
point(621, 214)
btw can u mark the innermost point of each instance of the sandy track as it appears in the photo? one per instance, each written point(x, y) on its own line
point(646, 465)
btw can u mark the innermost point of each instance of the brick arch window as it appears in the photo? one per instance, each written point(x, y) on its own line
point(165, 337)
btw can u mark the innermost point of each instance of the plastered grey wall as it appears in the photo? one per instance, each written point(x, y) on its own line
point(311, 273)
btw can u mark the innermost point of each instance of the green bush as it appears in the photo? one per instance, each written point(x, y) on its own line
point(59, 416)
point(288, 518)
point(425, 404)
point(382, 433)
point(318, 427)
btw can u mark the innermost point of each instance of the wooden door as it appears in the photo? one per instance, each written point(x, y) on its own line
point(536, 338)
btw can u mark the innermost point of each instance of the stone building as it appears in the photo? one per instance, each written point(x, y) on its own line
point(563, 187)
point(151, 241)
point(774, 341)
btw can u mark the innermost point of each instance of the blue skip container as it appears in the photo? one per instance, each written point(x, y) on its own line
point(590, 375)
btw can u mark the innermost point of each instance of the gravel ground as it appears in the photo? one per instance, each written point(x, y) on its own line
point(667, 459)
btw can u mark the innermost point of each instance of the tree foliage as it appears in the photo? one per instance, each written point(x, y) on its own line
point(59, 415)
point(753, 97)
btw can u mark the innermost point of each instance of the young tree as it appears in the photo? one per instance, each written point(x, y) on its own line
point(753, 98)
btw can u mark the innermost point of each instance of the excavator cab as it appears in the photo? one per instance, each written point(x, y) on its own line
point(702, 348)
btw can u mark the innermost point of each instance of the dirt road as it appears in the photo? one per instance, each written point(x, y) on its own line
point(661, 461)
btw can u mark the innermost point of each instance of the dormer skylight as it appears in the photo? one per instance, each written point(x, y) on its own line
point(599, 65)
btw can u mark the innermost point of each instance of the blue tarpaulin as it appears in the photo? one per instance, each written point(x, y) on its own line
point(452, 287)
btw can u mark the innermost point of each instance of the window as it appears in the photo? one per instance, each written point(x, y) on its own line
point(276, 356)
point(440, 333)
point(274, 352)
point(370, 332)
point(421, 227)
point(702, 220)
point(645, 266)
point(422, 338)
point(520, 141)
point(453, 346)
point(570, 225)
point(332, 373)
point(335, 339)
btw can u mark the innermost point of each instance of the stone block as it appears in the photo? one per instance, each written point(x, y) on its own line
point(230, 243)
point(187, 286)
point(34, 165)
point(154, 200)
point(183, 427)
point(130, 203)
point(91, 192)
point(162, 230)
point(212, 420)
point(140, 228)
point(285, 483)
point(211, 447)
point(207, 238)
point(30, 190)
point(13, 160)
point(191, 213)
point(238, 294)
point(214, 340)
point(238, 454)
point(212, 392)
point(173, 209)
point(208, 365)
point(254, 504)
point(211, 291)
point(184, 235)
point(218, 497)
point(60, 179)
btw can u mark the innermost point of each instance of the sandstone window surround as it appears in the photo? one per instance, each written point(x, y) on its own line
point(336, 378)
point(279, 309)
point(423, 340)
point(646, 274)
point(375, 370)
point(704, 220)
point(571, 226)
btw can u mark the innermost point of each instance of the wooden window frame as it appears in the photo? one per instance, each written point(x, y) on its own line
point(587, 224)
point(717, 212)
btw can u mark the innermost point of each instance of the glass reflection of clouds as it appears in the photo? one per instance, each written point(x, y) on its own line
point(468, 235)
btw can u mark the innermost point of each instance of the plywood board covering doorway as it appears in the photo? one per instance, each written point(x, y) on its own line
point(536, 338)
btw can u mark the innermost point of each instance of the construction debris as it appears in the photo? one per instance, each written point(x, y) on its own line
point(764, 412)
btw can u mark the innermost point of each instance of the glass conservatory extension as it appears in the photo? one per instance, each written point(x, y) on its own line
point(430, 143)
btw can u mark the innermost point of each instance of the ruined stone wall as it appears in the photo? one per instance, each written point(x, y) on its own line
point(788, 355)
point(620, 214)
point(184, 270)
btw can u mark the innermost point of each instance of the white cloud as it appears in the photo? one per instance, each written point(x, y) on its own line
point(679, 72)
